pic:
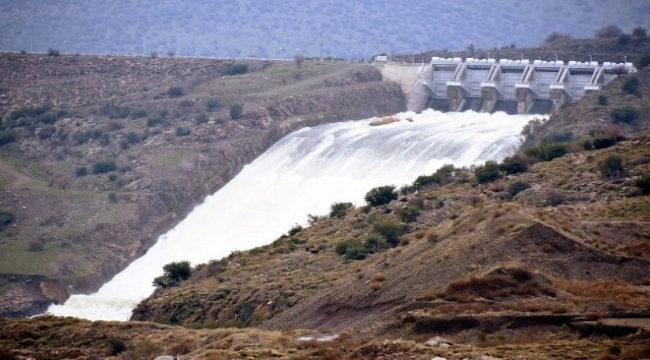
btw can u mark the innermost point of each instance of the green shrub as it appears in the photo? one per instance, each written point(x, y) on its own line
point(96, 133)
point(643, 184)
point(235, 69)
point(631, 86)
point(103, 166)
point(558, 137)
point(390, 230)
point(408, 214)
point(355, 250)
point(339, 209)
point(374, 243)
point(173, 273)
point(47, 118)
point(139, 113)
point(514, 165)
point(624, 114)
point(381, 195)
point(547, 152)
point(104, 140)
point(115, 346)
point(294, 230)
point(132, 137)
point(612, 166)
point(201, 118)
point(154, 121)
point(212, 105)
point(112, 197)
point(644, 61)
point(602, 99)
point(175, 92)
point(516, 187)
point(80, 137)
point(114, 111)
point(7, 136)
point(236, 111)
point(6, 218)
point(80, 171)
point(53, 52)
point(487, 172)
point(183, 131)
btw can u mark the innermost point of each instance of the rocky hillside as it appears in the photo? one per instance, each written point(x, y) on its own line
point(554, 243)
point(101, 154)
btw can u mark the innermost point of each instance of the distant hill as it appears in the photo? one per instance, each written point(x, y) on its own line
point(350, 29)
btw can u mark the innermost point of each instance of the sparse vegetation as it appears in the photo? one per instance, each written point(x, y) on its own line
point(487, 172)
point(631, 86)
point(517, 186)
point(236, 111)
point(236, 69)
point(6, 218)
point(339, 209)
point(183, 131)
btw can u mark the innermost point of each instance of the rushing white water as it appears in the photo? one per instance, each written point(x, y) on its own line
point(302, 174)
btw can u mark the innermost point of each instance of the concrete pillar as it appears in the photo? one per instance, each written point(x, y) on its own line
point(490, 97)
point(524, 98)
point(456, 95)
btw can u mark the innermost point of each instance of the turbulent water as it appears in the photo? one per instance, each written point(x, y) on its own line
point(302, 174)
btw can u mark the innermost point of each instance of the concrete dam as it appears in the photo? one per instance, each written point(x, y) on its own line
point(488, 85)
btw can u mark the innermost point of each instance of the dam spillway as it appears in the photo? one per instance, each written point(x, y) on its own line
point(510, 86)
point(304, 173)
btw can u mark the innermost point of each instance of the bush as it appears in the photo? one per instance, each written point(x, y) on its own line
point(639, 31)
point(339, 209)
point(114, 111)
point(624, 114)
point(294, 230)
point(175, 92)
point(609, 31)
point(236, 111)
point(112, 197)
point(139, 113)
point(381, 195)
point(390, 230)
point(154, 121)
point(6, 218)
point(408, 214)
point(602, 99)
point(103, 166)
point(182, 131)
point(53, 52)
point(132, 137)
point(80, 171)
point(47, 118)
point(643, 184)
point(644, 61)
point(80, 137)
point(487, 172)
point(235, 69)
point(555, 36)
point(514, 165)
point(516, 187)
point(631, 86)
point(558, 137)
point(355, 250)
point(212, 105)
point(374, 243)
point(7, 136)
point(173, 273)
point(201, 118)
point(623, 39)
point(547, 152)
point(116, 346)
point(612, 166)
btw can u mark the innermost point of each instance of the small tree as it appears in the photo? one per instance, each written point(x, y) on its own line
point(53, 52)
point(624, 114)
point(381, 195)
point(390, 229)
point(556, 36)
point(631, 86)
point(487, 172)
point(236, 111)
